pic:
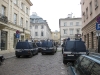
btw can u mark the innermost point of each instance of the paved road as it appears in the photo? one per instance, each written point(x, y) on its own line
point(37, 65)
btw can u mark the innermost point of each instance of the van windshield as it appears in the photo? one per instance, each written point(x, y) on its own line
point(23, 45)
point(47, 44)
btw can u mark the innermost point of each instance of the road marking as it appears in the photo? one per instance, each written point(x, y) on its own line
point(62, 68)
point(63, 72)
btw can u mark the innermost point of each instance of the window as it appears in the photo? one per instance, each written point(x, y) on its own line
point(42, 33)
point(65, 31)
point(42, 27)
point(26, 24)
point(21, 22)
point(36, 27)
point(71, 31)
point(84, 16)
point(22, 6)
point(3, 10)
point(77, 23)
point(36, 33)
point(15, 18)
point(96, 4)
point(86, 12)
point(90, 8)
point(65, 24)
point(26, 10)
point(16, 2)
point(71, 23)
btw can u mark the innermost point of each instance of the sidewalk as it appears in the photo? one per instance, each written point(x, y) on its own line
point(9, 55)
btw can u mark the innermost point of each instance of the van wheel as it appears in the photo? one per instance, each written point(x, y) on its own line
point(37, 53)
point(42, 53)
point(64, 62)
point(0, 62)
point(30, 55)
point(17, 56)
point(52, 53)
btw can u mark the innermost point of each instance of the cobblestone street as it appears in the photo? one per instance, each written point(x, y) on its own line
point(37, 65)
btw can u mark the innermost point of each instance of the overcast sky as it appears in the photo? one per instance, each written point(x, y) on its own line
point(52, 10)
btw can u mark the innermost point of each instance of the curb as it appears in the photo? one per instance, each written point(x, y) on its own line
point(9, 57)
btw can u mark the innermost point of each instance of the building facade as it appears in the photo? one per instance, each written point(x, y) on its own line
point(69, 28)
point(17, 14)
point(90, 12)
point(39, 28)
point(56, 36)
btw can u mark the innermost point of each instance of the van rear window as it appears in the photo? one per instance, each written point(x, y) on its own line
point(70, 46)
point(80, 46)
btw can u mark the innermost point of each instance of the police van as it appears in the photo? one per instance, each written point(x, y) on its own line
point(72, 49)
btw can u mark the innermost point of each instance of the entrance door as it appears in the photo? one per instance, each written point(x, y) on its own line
point(3, 40)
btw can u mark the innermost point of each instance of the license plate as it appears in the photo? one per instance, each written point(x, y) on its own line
point(70, 55)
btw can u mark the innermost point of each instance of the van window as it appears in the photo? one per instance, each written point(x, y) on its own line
point(95, 69)
point(80, 46)
point(70, 46)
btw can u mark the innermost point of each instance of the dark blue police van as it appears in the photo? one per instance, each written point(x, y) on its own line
point(72, 49)
point(26, 49)
point(48, 47)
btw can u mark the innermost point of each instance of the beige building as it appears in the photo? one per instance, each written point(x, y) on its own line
point(14, 15)
point(90, 12)
point(70, 28)
point(56, 36)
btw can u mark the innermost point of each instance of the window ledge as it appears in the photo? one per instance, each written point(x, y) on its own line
point(16, 4)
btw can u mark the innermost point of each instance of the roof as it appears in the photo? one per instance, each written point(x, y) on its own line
point(34, 15)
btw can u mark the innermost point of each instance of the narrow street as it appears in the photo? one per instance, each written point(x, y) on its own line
point(37, 65)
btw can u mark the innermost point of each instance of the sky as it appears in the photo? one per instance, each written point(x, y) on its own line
point(53, 10)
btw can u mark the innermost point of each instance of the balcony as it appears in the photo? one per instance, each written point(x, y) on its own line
point(3, 21)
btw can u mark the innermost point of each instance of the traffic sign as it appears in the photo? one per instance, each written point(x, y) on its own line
point(17, 35)
point(17, 32)
point(98, 19)
point(97, 26)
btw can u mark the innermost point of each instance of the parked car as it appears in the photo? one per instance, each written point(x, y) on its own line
point(72, 49)
point(1, 59)
point(48, 47)
point(39, 46)
point(25, 49)
point(85, 65)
